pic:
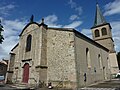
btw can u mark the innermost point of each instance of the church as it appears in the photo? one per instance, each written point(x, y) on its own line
point(63, 57)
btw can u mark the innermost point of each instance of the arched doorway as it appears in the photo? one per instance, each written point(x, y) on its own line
point(25, 73)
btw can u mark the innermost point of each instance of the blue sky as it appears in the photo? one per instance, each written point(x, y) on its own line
point(78, 14)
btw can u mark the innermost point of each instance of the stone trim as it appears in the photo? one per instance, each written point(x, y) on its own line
point(41, 66)
point(104, 38)
point(80, 35)
point(62, 29)
point(102, 25)
point(15, 47)
point(16, 67)
point(10, 71)
point(27, 26)
point(26, 60)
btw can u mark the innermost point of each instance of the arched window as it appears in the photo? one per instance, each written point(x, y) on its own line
point(97, 34)
point(28, 43)
point(88, 58)
point(108, 63)
point(104, 31)
point(100, 61)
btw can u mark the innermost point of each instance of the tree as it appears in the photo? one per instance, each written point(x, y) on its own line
point(118, 58)
point(1, 36)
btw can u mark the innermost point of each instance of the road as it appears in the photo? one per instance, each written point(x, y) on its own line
point(5, 87)
point(106, 85)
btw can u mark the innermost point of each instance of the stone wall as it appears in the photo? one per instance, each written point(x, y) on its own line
point(113, 64)
point(32, 57)
point(12, 65)
point(61, 58)
point(94, 73)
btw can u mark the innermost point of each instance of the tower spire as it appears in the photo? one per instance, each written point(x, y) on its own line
point(99, 18)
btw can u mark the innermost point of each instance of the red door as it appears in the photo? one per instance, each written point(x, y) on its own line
point(26, 73)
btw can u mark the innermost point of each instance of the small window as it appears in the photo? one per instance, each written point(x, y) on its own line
point(100, 61)
point(28, 43)
point(2, 68)
point(97, 34)
point(88, 58)
point(104, 31)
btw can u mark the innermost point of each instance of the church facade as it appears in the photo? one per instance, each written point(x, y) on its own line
point(62, 56)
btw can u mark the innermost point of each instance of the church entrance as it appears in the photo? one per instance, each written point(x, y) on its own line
point(25, 73)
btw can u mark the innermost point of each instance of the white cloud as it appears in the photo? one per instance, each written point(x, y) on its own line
point(51, 21)
point(12, 28)
point(87, 32)
point(75, 7)
point(74, 24)
point(79, 10)
point(5, 9)
point(72, 4)
point(73, 17)
point(112, 8)
point(116, 34)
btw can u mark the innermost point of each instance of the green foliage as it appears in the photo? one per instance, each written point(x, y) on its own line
point(118, 58)
point(1, 36)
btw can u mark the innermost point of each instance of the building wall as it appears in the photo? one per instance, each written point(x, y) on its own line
point(14, 62)
point(109, 34)
point(32, 57)
point(113, 64)
point(61, 58)
point(105, 40)
point(3, 69)
point(107, 43)
point(94, 73)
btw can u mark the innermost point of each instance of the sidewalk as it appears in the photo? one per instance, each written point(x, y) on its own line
point(113, 84)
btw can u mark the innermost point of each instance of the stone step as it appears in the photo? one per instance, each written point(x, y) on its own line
point(20, 86)
point(53, 89)
point(97, 89)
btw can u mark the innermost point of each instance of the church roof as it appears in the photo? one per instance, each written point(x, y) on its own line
point(77, 33)
point(99, 18)
point(27, 26)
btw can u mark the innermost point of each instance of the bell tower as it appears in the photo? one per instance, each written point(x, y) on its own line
point(101, 31)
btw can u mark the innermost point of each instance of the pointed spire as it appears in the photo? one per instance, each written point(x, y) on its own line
point(99, 18)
